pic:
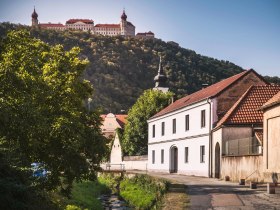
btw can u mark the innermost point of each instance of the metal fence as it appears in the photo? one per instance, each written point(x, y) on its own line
point(244, 146)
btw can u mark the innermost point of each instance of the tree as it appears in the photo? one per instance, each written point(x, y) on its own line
point(135, 138)
point(43, 116)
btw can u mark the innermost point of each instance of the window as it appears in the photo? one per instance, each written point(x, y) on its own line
point(174, 126)
point(153, 156)
point(202, 118)
point(162, 128)
point(162, 156)
point(154, 131)
point(187, 125)
point(186, 154)
point(202, 154)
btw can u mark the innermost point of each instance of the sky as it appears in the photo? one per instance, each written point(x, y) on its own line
point(245, 32)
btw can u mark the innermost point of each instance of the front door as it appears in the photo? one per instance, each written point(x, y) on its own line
point(217, 160)
point(173, 159)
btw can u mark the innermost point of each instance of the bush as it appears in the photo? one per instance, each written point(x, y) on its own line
point(142, 191)
point(85, 195)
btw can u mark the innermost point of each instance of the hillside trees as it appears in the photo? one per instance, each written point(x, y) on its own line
point(121, 68)
point(135, 137)
point(43, 117)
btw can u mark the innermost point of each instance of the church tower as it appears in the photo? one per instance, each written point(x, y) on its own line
point(34, 18)
point(160, 79)
point(123, 24)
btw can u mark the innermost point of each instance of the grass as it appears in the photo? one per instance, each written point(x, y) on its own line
point(84, 196)
point(142, 191)
point(137, 196)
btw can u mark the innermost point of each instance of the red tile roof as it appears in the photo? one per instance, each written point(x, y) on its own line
point(247, 109)
point(259, 135)
point(203, 94)
point(87, 21)
point(108, 25)
point(121, 118)
point(273, 101)
point(45, 25)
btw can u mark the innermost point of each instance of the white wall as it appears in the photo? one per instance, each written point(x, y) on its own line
point(192, 167)
point(195, 128)
point(135, 164)
point(116, 152)
point(193, 138)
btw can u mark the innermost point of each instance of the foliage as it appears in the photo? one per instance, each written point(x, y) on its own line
point(85, 194)
point(122, 68)
point(111, 181)
point(142, 191)
point(72, 207)
point(43, 116)
point(273, 80)
point(135, 138)
point(17, 193)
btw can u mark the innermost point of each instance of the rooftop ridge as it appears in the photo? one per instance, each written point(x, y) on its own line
point(209, 92)
point(247, 109)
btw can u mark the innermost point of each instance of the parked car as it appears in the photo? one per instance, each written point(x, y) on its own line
point(39, 170)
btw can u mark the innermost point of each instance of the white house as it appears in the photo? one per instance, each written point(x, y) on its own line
point(179, 136)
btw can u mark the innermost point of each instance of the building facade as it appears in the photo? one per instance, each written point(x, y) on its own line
point(80, 24)
point(271, 143)
point(146, 35)
point(237, 140)
point(124, 28)
point(179, 136)
point(112, 122)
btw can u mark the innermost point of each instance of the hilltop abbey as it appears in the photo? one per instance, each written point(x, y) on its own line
point(124, 28)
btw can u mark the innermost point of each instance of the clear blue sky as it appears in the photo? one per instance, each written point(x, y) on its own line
point(245, 32)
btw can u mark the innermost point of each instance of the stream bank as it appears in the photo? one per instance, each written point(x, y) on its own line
point(132, 191)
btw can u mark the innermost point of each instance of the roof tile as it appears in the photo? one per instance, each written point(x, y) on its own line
point(108, 25)
point(247, 109)
point(205, 93)
point(273, 101)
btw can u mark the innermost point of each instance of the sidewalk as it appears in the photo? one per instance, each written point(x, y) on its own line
point(209, 193)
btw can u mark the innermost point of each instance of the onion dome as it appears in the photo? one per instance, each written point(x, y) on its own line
point(34, 14)
point(124, 16)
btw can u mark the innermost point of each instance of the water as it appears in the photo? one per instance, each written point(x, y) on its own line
point(113, 202)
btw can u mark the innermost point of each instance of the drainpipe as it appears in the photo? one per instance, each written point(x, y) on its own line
point(210, 141)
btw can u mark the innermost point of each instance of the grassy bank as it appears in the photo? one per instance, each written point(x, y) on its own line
point(140, 191)
point(143, 191)
point(84, 195)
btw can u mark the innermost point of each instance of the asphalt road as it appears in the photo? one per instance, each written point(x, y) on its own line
point(209, 193)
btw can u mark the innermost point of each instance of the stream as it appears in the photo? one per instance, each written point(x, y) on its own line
point(112, 201)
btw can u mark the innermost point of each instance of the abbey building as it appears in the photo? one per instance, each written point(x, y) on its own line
point(124, 27)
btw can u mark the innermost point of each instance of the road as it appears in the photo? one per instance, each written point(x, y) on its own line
point(214, 194)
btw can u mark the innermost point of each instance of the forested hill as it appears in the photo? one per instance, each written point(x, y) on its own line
point(121, 68)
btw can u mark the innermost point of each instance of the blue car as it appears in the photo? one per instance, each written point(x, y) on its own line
point(38, 170)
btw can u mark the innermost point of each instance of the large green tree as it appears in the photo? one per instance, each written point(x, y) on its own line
point(43, 115)
point(135, 138)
